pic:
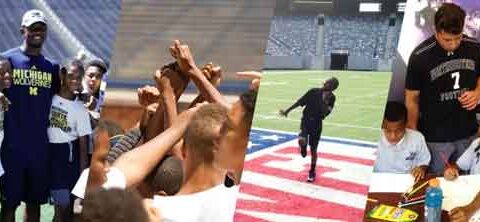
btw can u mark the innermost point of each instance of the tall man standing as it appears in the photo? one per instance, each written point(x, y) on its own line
point(443, 88)
point(25, 147)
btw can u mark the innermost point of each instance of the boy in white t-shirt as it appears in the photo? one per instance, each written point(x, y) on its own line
point(5, 82)
point(67, 134)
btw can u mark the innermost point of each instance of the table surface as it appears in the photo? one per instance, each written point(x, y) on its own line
point(392, 199)
point(388, 189)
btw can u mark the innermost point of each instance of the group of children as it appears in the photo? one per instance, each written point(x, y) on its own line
point(47, 115)
point(173, 159)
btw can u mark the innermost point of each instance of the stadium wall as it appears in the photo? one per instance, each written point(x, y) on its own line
point(323, 62)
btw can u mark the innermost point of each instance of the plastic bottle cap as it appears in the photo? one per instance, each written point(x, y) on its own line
point(434, 182)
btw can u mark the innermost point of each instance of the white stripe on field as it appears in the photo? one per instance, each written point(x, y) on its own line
point(275, 217)
point(303, 189)
point(244, 196)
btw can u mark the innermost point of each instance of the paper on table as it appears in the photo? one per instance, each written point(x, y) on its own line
point(391, 183)
point(459, 192)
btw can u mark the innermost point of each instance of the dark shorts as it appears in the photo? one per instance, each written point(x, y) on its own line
point(26, 176)
point(64, 165)
point(311, 130)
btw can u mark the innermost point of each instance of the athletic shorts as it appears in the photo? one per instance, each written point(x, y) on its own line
point(26, 175)
point(64, 170)
point(311, 130)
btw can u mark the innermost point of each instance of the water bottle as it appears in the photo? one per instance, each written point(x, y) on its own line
point(433, 201)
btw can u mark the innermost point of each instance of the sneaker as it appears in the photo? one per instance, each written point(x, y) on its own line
point(311, 176)
point(303, 147)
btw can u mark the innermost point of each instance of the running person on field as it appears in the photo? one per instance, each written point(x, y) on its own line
point(318, 103)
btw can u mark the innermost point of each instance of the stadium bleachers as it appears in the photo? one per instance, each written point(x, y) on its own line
point(365, 35)
point(93, 22)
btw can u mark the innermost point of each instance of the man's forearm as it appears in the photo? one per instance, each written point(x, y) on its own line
point(475, 204)
point(411, 103)
point(156, 123)
point(207, 90)
point(170, 107)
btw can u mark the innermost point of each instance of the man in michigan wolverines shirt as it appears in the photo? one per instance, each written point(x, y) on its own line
point(35, 79)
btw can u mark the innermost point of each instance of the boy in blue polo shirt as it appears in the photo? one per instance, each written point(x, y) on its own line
point(401, 150)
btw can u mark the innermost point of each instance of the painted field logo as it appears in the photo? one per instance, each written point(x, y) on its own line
point(273, 183)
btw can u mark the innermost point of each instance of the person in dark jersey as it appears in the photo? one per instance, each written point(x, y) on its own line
point(25, 154)
point(318, 104)
point(442, 88)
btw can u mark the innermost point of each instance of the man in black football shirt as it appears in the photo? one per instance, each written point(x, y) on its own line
point(442, 87)
point(318, 104)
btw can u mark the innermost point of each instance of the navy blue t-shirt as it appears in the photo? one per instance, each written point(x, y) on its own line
point(35, 79)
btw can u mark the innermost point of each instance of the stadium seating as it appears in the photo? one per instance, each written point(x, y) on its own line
point(93, 22)
point(365, 35)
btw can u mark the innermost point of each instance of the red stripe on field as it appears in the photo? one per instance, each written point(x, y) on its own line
point(290, 204)
point(245, 218)
point(258, 165)
point(295, 150)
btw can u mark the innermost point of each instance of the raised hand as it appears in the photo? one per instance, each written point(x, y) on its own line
point(254, 76)
point(184, 57)
point(148, 95)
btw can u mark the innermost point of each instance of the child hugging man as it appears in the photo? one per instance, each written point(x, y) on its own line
point(67, 133)
point(401, 150)
point(5, 82)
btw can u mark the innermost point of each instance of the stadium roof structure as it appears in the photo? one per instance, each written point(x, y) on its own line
point(340, 6)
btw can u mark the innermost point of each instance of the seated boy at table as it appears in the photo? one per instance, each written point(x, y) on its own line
point(469, 161)
point(401, 150)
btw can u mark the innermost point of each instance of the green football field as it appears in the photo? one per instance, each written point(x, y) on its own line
point(360, 101)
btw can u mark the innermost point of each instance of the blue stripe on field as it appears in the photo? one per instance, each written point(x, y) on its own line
point(261, 139)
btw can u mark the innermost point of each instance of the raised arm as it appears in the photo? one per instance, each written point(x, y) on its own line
point(97, 175)
point(136, 164)
point(187, 65)
point(168, 100)
point(214, 76)
point(300, 102)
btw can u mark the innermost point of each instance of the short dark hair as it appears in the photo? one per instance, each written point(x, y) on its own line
point(98, 63)
point(72, 63)
point(395, 111)
point(450, 18)
point(167, 176)
point(333, 82)
point(114, 205)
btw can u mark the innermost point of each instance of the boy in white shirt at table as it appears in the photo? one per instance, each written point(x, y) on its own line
point(401, 150)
